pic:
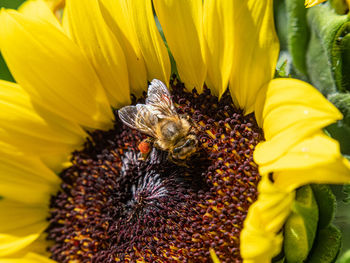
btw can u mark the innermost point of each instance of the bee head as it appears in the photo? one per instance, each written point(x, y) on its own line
point(185, 147)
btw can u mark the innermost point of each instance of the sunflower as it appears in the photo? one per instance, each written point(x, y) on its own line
point(72, 186)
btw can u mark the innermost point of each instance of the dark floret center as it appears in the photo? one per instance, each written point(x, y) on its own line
point(115, 207)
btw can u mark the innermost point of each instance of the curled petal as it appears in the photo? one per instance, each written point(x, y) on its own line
point(311, 152)
point(260, 240)
point(336, 172)
point(293, 111)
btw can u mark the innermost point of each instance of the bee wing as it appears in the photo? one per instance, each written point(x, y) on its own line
point(139, 117)
point(159, 98)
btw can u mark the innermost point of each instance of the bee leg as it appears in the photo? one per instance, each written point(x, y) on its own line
point(142, 156)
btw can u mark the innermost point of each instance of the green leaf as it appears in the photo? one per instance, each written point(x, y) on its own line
point(171, 57)
point(340, 6)
point(342, 215)
point(341, 130)
point(327, 245)
point(328, 50)
point(279, 7)
point(318, 68)
point(341, 57)
point(346, 191)
point(300, 228)
point(345, 258)
point(298, 35)
point(326, 202)
point(342, 102)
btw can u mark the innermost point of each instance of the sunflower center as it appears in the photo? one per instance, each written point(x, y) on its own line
point(115, 207)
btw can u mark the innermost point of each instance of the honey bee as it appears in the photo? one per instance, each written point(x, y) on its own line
point(158, 118)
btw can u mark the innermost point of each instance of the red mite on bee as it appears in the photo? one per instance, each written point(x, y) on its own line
point(158, 119)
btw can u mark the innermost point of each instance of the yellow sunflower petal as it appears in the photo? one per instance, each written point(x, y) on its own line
point(26, 179)
point(55, 5)
point(36, 250)
point(259, 105)
point(266, 216)
point(181, 21)
point(20, 225)
point(311, 3)
point(293, 110)
point(213, 256)
point(52, 69)
point(219, 34)
point(336, 172)
point(316, 150)
point(39, 9)
point(117, 17)
point(21, 125)
point(89, 30)
point(152, 46)
point(65, 23)
point(27, 258)
point(256, 50)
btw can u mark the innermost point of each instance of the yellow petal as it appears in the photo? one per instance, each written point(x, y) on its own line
point(311, 3)
point(27, 258)
point(20, 225)
point(293, 111)
point(52, 69)
point(26, 179)
point(39, 9)
point(152, 46)
point(256, 50)
point(260, 237)
point(316, 150)
point(65, 23)
point(336, 172)
point(181, 21)
point(55, 5)
point(118, 17)
point(219, 35)
point(213, 256)
point(36, 250)
point(259, 105)
point(90, 32)
point(21, 125)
